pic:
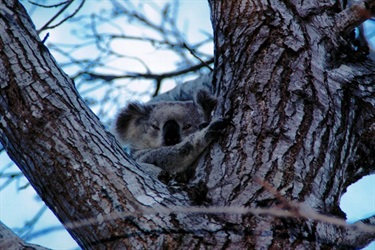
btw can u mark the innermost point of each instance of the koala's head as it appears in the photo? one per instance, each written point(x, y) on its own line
point(142, 126)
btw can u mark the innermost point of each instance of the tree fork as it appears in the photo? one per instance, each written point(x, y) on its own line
point(301, 113)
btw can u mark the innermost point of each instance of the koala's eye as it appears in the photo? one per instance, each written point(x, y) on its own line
point(155, 127)
point(187, 126)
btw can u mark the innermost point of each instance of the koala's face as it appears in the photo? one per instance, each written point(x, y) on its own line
point(171, 122)
point(159, 124)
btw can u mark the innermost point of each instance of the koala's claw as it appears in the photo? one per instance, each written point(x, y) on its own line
point(217, 128)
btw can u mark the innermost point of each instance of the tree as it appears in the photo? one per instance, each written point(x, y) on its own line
point(302, 104)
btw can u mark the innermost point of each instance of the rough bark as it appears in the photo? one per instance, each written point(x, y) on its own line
point(302, 103)
point(74, 165)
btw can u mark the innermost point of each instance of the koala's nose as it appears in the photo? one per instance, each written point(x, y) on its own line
point(171, 133)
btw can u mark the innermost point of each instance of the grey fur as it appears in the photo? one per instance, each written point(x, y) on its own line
point(168, 135)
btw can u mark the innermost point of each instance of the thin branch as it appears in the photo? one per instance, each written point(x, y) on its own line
point(352, 17)
point(49, 6)
point(194, 54)
point(157, 87)
point(10, 178)
point(68, 3)
point(150, 75)
point(304, 212)
point(68, 17)
point(27, 229)
point(45, 26)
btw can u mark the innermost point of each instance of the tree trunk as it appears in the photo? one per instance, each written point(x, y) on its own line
point(302, 105)
point(302, 102)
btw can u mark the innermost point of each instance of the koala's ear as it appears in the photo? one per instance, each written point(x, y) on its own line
point(133, 112)
point(206, 101)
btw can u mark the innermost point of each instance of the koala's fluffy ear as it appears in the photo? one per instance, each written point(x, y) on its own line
point(132, 113)
point(206, 101)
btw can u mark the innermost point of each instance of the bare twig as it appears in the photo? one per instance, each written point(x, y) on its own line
point(67, 4)
point(303, 211)
point(27, 229)
point(50, 6)
point(108, 77)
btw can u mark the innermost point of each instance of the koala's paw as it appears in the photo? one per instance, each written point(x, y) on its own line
point(217, 128)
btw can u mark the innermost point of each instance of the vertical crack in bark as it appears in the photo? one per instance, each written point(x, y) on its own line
point(345, 144)
point(290, 157)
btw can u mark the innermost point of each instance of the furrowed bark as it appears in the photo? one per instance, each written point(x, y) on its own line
point(75, 166)
point(298, 127)
point(300, 106)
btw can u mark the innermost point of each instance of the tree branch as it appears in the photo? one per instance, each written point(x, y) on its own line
point(151, 75)
point(356, 235)
point(68, 3)
point(93, 168)
point(9, 240)
point(358, 82)
point(353, 16)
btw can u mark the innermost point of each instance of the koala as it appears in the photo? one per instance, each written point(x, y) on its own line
point(169, 134)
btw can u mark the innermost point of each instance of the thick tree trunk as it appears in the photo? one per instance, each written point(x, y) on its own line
point(302, 108)
point(289, 80)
